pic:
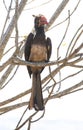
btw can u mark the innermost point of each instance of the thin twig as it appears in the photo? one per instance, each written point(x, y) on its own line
point(10, 68)
point(52, 87)
point(10, 78)
point(7, 17)
point(45, 3)
point(71, 76)
point(73, 39)
point(21, 117)
point(58, 49)
point(16, 23)
point(5, 5)
point(32, 121)
point(10, 28)
point(26, 121)
point(66, 18)
point(67, 91)
point(57, 13)
point(76, 41)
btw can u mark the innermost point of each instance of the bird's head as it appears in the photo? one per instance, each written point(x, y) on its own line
point(40, 20)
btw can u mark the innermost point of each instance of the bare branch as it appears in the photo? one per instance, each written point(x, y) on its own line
point(7, 17)
point(65, 63)
point(58, 95)
point(57, 12)
point(69, 76)
point(10, 68)
point(60, 45)
point(73, 39)
point(64, 34)
point(9, 108)
point(76, 41)
point(67, 91)
point(5, 5)
point(16, 23)
point(38, 5)
point(15, 98)
point(21, 117)
point(5, 75)
point(10, 28)
point(10, 78)
point(54, 72)
point(67, 17)
point(28, 119)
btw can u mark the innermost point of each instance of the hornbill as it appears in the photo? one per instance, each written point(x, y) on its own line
point(37, 49)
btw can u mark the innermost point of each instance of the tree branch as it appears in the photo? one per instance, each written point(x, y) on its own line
point(57, 13)
point(10, 28)
point(67, 91)
point(58, 95)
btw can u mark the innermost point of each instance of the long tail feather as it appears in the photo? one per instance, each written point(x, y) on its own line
point(36, 100)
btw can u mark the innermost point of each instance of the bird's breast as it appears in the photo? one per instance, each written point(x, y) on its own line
point(38, 53)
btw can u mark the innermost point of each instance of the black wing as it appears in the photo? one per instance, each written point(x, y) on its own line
point(49, 48)
point(28, 49)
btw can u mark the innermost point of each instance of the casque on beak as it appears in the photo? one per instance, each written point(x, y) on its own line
point(42, 19)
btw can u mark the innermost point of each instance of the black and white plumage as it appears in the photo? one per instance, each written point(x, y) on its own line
point(37, 49)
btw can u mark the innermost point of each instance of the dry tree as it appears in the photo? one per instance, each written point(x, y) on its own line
point(73, 58)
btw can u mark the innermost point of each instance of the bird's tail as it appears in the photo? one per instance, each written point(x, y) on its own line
point(36, 100)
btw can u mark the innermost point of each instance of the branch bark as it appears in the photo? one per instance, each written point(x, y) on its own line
point(57, 13)
point(10, 28)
